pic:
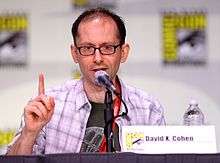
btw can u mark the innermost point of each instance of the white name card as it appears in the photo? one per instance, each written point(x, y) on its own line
point(169, 139)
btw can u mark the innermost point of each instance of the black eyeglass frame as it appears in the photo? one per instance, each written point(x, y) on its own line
point(79, 48)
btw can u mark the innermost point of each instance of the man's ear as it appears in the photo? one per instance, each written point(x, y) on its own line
point(124, 52)
point(74, 53)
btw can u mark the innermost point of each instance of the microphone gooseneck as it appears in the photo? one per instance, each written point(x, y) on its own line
point(103, 79)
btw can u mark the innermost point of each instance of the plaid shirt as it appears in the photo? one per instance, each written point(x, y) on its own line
point(65, 131)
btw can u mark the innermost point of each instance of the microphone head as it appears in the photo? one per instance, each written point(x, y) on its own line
point(103, 79)
point(100, 77)
point(100, 73)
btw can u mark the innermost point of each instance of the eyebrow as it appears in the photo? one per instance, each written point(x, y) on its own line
point(91, 44)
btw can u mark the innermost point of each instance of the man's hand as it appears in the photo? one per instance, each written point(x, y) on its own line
point(38, 111)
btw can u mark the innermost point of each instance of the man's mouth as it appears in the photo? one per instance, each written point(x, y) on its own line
point(98, 69)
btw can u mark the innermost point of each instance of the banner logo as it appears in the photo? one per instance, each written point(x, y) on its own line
point(184, 37)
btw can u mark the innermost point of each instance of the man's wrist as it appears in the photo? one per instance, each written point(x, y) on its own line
point(29, 136)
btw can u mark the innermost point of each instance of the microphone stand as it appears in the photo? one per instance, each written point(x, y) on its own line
point(108, 117)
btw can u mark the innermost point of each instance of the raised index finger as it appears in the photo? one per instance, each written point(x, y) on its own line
point(41, 89)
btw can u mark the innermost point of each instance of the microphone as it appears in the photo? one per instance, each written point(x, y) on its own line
point(103, 79)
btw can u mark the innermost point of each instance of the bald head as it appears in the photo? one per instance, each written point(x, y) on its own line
point(97, 14)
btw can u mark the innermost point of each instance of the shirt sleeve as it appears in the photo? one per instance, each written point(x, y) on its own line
point(156, 113)
point(39, 145)
point(16, 136)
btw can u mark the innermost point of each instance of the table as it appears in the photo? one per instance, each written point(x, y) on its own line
point(113, 158)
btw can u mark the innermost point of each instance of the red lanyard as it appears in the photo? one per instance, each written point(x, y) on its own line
point(116, 109)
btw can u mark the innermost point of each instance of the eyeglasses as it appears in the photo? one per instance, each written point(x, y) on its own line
point(104, 50)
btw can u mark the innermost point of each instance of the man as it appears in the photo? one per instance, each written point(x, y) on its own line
point(69, 118)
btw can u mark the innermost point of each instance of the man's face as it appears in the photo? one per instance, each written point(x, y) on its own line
point(98, 32)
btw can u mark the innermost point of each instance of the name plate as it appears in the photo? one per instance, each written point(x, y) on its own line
point(168, 139)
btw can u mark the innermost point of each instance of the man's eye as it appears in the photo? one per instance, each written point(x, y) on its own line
point(87, 48)
point(107, 47)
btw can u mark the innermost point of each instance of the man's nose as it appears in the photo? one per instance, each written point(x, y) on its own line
point(98, 58)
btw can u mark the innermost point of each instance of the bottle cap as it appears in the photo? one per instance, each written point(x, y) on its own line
point(193, 102)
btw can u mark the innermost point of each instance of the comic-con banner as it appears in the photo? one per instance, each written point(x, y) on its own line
point(6, 137)
point(13, 39)
point(94, 3)
point(184, 37)
point(13, 52)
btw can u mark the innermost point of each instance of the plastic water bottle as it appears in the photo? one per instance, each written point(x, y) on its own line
point(193, 115)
